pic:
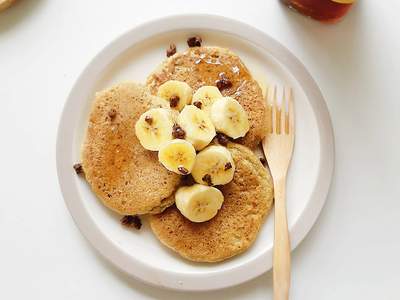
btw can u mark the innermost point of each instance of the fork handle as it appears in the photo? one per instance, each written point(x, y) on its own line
point(281, 259)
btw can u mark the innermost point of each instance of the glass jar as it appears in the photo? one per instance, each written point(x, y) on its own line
point(322, 10)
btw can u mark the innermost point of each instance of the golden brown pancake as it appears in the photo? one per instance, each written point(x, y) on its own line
point(201, 66)
point(248, 199)
point(126, 177)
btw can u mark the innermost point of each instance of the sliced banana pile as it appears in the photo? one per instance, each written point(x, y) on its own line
point(182, 124)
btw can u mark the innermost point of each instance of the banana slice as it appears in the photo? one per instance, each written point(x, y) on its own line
point(154, 127)
point(198, 203)
point(205, 96)
point(229, 117)
point(177, 93)
point(214, 166)
point(197, 125)
point(177, 156)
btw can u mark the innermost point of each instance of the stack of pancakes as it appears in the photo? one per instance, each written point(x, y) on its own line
point(130, 180)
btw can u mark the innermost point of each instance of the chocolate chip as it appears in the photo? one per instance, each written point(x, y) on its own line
point(183, 170)
point(228, 166)
point(223, 82)
point(263, 160)
point(198, 104)
point(187, 180)
point(131, 221)
point(79, 169)
point(149, 120)
point(194, 41)
point(112, 114)
point(171, 50)
point(207, 179)
point(173, 101)
point(222, 139)
point(178, 132)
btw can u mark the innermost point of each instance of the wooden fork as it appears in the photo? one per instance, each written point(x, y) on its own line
point(278, 149)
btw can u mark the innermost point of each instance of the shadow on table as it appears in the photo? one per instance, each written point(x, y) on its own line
point(16, 14)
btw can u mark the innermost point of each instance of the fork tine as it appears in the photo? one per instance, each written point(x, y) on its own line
point(274, 119)
point(273, 110)
point(283, 112)
point(290, 125)
point(277, 114)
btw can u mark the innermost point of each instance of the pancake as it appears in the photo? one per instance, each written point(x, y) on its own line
point(248, 199)
point(126, 177)
point(200, 66)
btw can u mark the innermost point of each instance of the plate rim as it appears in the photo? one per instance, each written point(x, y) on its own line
point(187, 281)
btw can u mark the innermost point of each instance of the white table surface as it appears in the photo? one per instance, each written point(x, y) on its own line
point(353, 250)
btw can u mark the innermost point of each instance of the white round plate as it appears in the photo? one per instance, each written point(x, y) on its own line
point(132, 57)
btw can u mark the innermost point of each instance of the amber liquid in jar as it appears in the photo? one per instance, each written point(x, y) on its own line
point(322, 10)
